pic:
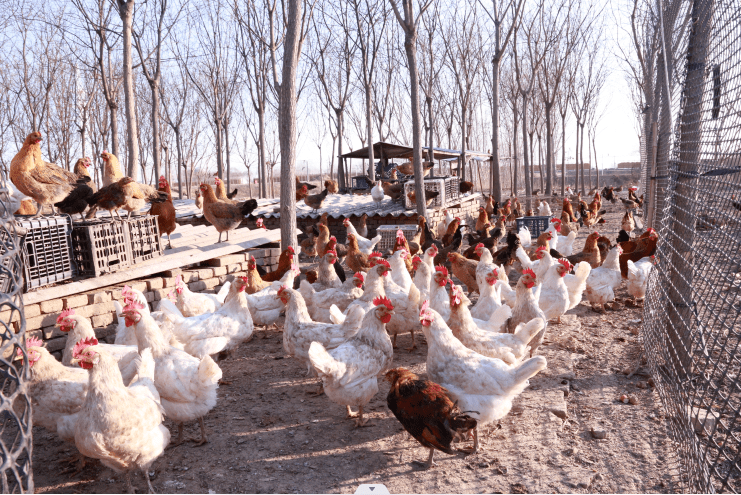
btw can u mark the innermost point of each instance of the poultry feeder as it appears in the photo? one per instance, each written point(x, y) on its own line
point(388, 235)
point(143, 238)
point(449, 188)
point(100, 246)
point(46, 249)
point(536, 225)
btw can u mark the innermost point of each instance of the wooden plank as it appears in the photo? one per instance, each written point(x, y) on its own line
point(173, 258)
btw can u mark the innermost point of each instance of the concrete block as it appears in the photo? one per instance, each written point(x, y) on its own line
point(204, 273)
point(99, 297)
point(233, 267)
point(138, 285)
point(190, 276)
point(51, 332)
point(172, 273)
point(225, 260)
point(75, 301)
point(211, 282)
point(703, 419)
point(224, 279)
point(30, 311)
point(198, 286)
point(56, 344)
point(219, 270)
point(149, 296)
point(155, 283)
point(116, 294)
point(103, 320)
point(169, 281)
point(42, 321)
point(160, 294)
point(97, 309)
point(53, 306)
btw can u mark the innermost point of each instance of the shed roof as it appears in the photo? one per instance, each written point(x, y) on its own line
point(388, 150)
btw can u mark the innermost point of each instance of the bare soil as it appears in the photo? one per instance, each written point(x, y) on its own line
point(269, 434)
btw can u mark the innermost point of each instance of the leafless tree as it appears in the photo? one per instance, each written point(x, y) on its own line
point(174, 102)
point(409, 23)
point(126, 10)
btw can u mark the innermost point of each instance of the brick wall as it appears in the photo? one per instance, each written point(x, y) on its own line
point(98, 306)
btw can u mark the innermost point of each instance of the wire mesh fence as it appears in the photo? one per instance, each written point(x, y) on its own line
point(692, 163)
point(15, 407)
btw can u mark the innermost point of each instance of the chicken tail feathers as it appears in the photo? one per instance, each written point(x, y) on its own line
point(529, 368)
point(232, 194)
point(307, 291)
point(248, 206)
point(337, 317)
point(209, 372)
point(167, 306)
point(322, 362)
point(526, 331)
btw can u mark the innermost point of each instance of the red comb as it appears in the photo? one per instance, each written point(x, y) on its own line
point(360, 276)
point(529, 271)
point(83, 344)
point(33, 342)
point(385, 301)
point(64, 314)
point(565, 263)
point(442, 270)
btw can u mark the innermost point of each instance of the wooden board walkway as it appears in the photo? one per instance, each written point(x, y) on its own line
point(190, 245)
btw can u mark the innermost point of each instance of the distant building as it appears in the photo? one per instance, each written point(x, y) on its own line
point(629, 165)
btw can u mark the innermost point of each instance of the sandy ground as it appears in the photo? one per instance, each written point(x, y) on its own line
point(269, 434)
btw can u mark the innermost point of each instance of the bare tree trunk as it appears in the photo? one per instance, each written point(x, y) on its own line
point(261, 153)
point(228, 158)
point(589, 159)
point(156, 127)
point(549, 149)
point(540, 163)
point(217, 144)
point(181, 165)
point(496, 180)
point(126, 12)
point(576, 160)
point(369, 125)
point(340, 165)
point(581, 156)
point(287, 131)
point(514, 150)
point(431, 154)
point(563, 155)
point(525, 158)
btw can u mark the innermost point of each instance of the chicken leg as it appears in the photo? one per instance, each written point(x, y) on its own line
point(429, 463)
point(219, 237)
point(149, 482)
point(203, 433)
point(129, 486)
point(414, 344)
point(169, 242)
point(359, 419)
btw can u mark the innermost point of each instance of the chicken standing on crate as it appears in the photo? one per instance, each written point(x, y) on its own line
point(165, 212)
point(45, 182)
point(223, 216)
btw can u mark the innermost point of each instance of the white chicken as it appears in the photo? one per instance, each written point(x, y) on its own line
point(377, 194)
point(195, 304)
point(78, 328)
point(211, 333)
point(526, 239)
point(484, 387)
point(422, 277)
point(374, 287)
point(187, 385)
point(442, 225)
point(563, 244)
point(526, 307)
point(349, 372)
point(299, 331)
point(56, 390)
point(490, 299)
point(365, 245)
point(327, 276)
point(264, 307)
point(399, 273)
point(544, 210)
point(577, 282)
point(439, 299)
point(485, 264)
point(638, 277)
point(406, 303)
point(603, 280)
point(121, 426)
point(484, 337)
point(554, 295)
point(540, 265)
point(125, 334)
point(319, 303)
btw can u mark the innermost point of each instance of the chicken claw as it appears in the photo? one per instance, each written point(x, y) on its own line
point(429, 463)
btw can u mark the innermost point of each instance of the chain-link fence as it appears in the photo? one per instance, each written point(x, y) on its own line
point(692, 163)
point(15, 406)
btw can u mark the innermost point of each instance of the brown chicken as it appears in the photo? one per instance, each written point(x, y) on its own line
point(221, 193)
point(491, 207)
point(465, 187)
point(427, 412)
point(27, 207)
point(356, 260)
point(111, 168)
point(604, 244)
point(450, 231)
point(630, 245)
point(506, 210)
point(568, 210)
point(142, 193)
point(312, 276)
point(285, 261)
point(165, 212)
point(644, 246)
point(507, 255)
point(331, 186)
point(339, 249)
point(114, 196)
point(199, 200)
point(322, 240)
point(300, 184)
point(324, 219)
point(224, 216)
point(429, 196)
point(308, 246)
point(566, 226)
point(588, 217)
point(301, 193)
point(44, 182)
point(544, 239)
point(362, 227)
point(482, 219)
point(407, 168)
point(590, 253)
point(81, 170)
point(255, 283)
point(394, 191)
point(315, 201)
point(465, 270)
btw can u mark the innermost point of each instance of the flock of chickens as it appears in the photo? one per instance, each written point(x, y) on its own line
point(110, 399)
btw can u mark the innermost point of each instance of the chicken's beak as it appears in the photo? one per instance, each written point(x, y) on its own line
point(74, 361)
point(391, 313)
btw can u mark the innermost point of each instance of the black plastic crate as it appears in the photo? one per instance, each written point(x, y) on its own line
point(360, 182)
point(47, 250)
point(100, 246)
point(144, 238)
point(536, 225)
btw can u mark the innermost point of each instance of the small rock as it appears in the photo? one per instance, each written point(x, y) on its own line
point(598, 477)
point(632, 400)
point(241, 441)
point(598, 434)
point(642, 385)
point(572, 451)
point(651, 383)
point(583, 485)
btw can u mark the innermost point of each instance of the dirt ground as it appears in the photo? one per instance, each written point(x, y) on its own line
point(269, 435)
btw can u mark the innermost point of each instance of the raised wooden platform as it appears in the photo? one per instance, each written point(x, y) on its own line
point(190, 245)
